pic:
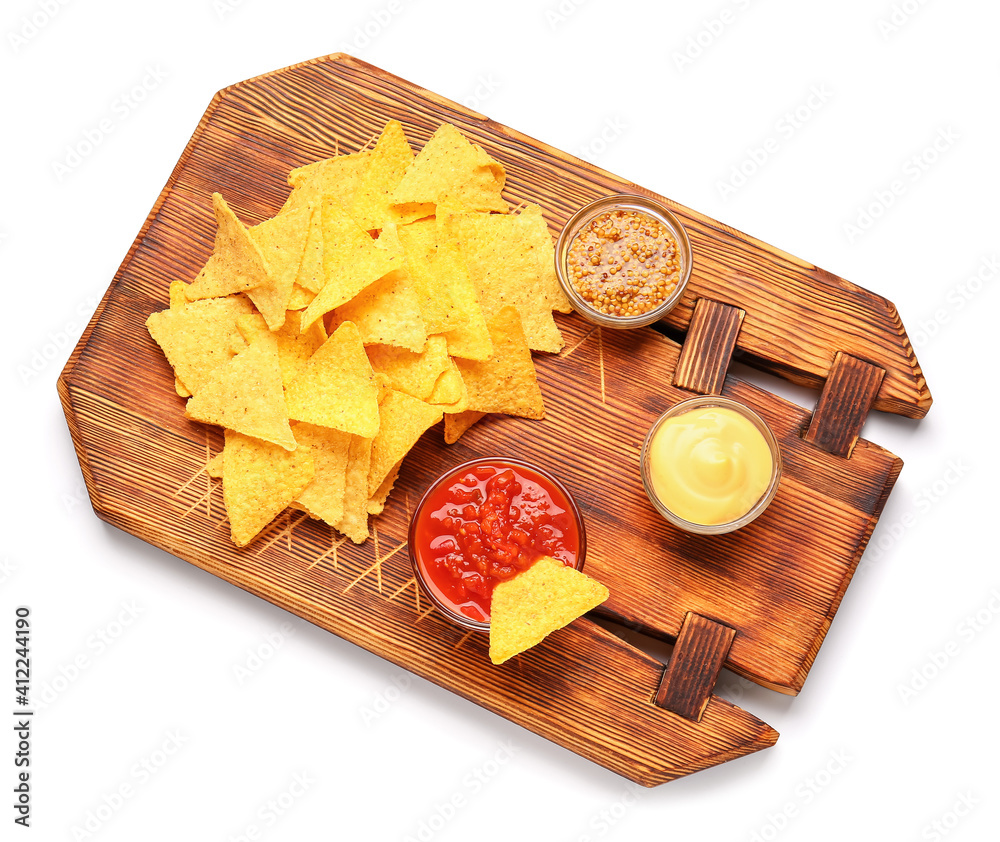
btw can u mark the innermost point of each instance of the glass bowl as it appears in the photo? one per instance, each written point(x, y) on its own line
point(580, 223)
point(753, 508)
point(421, 530)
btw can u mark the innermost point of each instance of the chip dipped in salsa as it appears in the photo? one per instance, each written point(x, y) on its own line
point(485, 522)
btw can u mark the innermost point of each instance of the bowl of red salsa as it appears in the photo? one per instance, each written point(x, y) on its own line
point(482, 523)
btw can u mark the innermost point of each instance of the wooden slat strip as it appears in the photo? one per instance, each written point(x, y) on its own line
point(708, 347)
point(697, 659)
point(844, 404)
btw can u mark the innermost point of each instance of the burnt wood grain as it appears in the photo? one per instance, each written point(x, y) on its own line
point(777, 583)
point(694, 666)
point(844, 404)
point(708, 347)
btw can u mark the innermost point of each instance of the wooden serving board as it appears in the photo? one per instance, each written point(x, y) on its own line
point(758, 601)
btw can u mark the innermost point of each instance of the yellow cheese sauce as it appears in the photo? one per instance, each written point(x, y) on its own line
point(709, 465)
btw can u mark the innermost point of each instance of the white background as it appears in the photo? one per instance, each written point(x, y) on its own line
point(143, 666)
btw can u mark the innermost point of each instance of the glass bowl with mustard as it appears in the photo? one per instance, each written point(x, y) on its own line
point(710, 465)
point(623, 261)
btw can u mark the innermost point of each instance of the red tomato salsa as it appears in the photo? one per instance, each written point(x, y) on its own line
point(483, 524)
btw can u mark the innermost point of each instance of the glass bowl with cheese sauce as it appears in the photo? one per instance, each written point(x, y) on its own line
point(710, 465)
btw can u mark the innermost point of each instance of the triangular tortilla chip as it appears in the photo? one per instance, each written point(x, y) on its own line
point(354, 523)
point(387, 312)
point(282, 241)
point(505, 382)
point(337, 388)
point(510, 259)
point(449, 170)
point(447, 296)
point(456, 423)
point(198, 338)
point(411, 372)
point(389, 160)
point(351, 261)
point(309, 277)
point(376, 503)
point(449, 392)
point(402, 421)
point(258, 481)
point(294, 347)
point(246, 395)
point(323, 498)
point(236, 264)
point(536, 602)
point(337, 178)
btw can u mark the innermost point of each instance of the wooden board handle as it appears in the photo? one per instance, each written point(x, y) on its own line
point(844, 404)
point(708, 347)
point(694, 667)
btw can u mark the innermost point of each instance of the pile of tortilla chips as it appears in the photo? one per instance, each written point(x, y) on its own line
point(390, 290)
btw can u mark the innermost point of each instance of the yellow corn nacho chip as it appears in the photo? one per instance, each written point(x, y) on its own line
point(449, 392)
point(456, 423)
point(198, 338)
point(445, 291)
point(535, 603)
point(510, 259)
point(337, 178)
point(236, 264)
point(246, 396)
point(387, 313)
point(413, 373)
point(452, 170)
point(259, 480)
point(309, 276)
point(354, 523)
point(389, 160)
point(282, 241)
point(323, 498)
point(178, 294)
point(376, 503)
point(337, 387)
point(506, 382)
point(402, 420)
point(294, 347)
point(351, 261)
